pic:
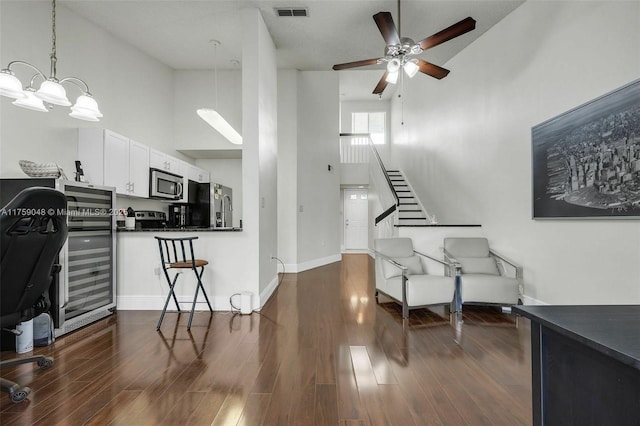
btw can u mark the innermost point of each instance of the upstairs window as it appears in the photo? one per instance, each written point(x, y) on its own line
point(369, 122)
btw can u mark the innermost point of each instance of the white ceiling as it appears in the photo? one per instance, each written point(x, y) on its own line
point(178, 32)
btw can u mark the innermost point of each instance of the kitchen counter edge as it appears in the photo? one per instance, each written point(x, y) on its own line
point(122, 230)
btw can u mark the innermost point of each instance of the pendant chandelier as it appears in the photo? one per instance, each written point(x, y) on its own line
point(51, 90)
point(212, 116)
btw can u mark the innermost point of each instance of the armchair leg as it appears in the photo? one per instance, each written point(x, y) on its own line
point(458, 294)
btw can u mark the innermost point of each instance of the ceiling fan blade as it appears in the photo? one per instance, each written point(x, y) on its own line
point(432, 70)
point(385, 24)
point(355, 64)
point(382, 84)
point(447, 34)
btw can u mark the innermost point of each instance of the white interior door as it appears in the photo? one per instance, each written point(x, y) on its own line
point(356, 219)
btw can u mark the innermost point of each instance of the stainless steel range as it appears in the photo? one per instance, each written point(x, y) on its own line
point(148, 219)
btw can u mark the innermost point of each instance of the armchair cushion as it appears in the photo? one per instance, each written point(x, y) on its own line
point(423, 289)
point(478, 265)
point(467, 247)
point(482, 288)
point(412, 262)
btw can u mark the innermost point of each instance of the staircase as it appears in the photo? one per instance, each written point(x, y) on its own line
point(409, 212)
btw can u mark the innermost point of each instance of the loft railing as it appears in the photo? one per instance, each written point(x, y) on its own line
point(359, 148)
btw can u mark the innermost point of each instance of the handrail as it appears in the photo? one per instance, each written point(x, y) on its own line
point(391, 209)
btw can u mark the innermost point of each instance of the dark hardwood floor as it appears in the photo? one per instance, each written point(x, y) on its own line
point(320, 352)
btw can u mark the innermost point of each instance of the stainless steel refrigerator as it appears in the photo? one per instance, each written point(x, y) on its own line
point(85, 290)
point(221, 199)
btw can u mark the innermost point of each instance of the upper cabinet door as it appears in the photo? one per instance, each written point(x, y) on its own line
point(157, 160)
point(138, 169)
point(175, 166)
point(197, 174)
point(116, 162)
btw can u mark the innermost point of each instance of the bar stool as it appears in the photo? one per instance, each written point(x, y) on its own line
point(173, 256)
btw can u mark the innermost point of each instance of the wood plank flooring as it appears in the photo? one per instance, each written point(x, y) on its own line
point(321, 352)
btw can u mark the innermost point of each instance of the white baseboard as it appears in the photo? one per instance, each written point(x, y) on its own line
point(294, 268)
point(156, 303)
point(531, 301)
point(355, 251)
point(266, 293)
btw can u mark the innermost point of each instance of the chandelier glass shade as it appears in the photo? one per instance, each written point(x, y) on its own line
point(51, 89)
point(30, 101)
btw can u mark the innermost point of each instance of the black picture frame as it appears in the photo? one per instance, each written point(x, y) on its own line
point(586, 161)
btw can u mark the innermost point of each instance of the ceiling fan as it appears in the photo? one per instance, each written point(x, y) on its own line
point(400, 52)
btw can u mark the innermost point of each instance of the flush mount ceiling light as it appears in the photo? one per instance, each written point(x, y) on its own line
point(212, 116)
point(51, 89)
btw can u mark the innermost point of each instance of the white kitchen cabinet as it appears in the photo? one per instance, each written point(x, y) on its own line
point(139, 169)
point(197, 174)
point(161, 161)
point(111, 159)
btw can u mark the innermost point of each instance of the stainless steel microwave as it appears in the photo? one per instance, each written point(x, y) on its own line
point(165, 185)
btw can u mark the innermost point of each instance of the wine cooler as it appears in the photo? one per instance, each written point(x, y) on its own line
point(85, 289)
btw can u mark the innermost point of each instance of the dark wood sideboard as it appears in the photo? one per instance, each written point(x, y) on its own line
point(585, 364)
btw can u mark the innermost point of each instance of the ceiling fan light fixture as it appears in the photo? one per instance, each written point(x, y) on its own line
point(411, 68)
point(393, 65)
point(392, 77)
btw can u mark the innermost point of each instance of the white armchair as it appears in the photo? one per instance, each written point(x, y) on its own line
point(486, 277)
point(400, 274)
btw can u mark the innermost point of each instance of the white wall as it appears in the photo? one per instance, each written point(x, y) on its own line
point(132, 89)
point(288, 168)
point(227, 172)
point(467, 151)
point(318, 188)
point(260, 150)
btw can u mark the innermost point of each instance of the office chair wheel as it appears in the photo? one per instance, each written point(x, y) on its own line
point(45, 362)
point(20, 395)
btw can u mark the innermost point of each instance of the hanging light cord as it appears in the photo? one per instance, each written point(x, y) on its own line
point(54, 57)
point(215, 68)
point(399, 20)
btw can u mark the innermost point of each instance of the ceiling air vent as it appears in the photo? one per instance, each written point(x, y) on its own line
point(292, 11)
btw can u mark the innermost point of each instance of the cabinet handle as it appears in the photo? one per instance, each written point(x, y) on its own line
point(133, 186)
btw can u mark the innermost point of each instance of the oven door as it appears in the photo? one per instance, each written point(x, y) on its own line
point(165, 185)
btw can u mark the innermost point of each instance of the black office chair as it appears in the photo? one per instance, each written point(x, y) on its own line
point(33, 229)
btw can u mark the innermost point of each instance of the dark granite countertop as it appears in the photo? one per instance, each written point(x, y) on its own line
point(613, 330)
point(187, 229)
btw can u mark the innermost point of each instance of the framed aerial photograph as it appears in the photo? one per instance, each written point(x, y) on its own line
point(586, 162)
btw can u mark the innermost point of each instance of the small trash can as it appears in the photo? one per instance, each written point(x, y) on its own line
point(246, 303)
point(24, 342)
